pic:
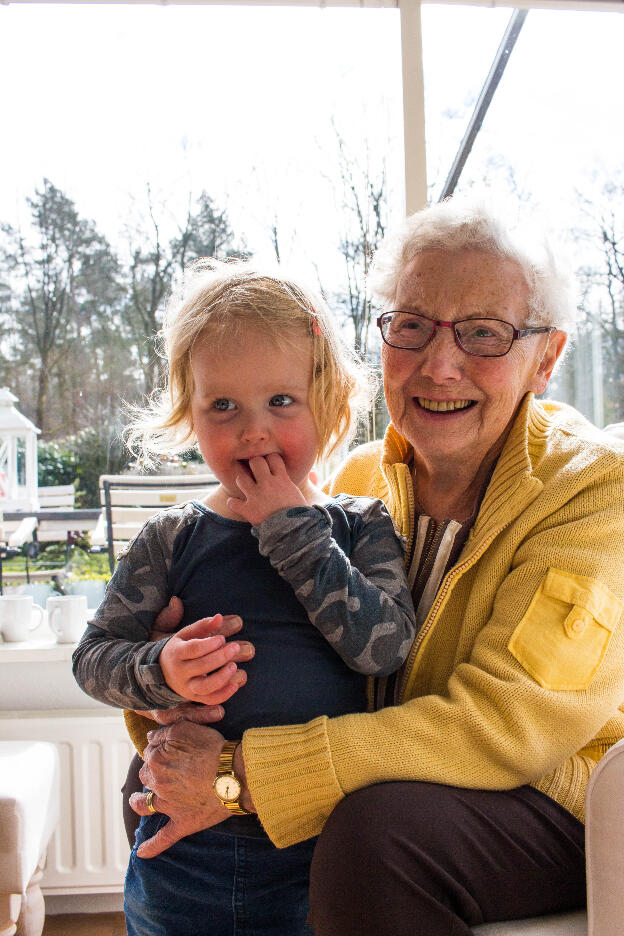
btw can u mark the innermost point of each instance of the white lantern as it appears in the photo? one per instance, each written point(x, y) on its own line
point(18, 457)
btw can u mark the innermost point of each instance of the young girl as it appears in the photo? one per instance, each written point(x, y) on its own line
point(258, 378)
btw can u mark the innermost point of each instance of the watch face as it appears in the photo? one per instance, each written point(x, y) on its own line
point(227, 788)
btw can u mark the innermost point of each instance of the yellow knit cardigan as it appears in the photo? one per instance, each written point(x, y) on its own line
point(517, 675)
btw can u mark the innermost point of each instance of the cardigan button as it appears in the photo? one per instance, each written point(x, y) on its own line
point(577, 626)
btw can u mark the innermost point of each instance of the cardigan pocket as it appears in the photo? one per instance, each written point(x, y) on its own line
point(564, 635)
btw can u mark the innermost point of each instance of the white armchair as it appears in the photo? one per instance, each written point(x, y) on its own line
point(29, 812)
point(604, 842)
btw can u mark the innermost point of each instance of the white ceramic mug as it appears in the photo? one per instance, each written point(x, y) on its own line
point(16, 617)
point(67, 617)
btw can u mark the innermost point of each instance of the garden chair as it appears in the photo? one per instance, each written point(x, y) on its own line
point(24, 531)
point(58, 497)
point(12, 536)
point(129, 500)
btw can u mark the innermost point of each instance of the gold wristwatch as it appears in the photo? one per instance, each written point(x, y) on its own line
point(226, 784)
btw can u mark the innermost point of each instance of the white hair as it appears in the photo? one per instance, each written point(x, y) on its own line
point(461, 223)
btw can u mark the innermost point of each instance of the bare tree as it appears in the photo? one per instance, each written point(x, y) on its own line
point(155, 263)
point(364, 202)
point(603, 290)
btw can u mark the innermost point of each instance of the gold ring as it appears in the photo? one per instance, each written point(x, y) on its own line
point(148, 802)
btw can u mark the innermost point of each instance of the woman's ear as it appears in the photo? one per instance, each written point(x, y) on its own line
point(556, 343)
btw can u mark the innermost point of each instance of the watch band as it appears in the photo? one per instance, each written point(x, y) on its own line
point(226, 769)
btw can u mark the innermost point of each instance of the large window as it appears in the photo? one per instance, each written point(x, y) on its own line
point(552, 139)
point(137, 137)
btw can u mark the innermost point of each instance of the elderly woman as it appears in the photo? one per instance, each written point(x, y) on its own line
point(459, 799)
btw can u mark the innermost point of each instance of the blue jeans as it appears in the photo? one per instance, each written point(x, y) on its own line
point(210, 884)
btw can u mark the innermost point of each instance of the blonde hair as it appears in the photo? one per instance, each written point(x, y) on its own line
point(218, 300)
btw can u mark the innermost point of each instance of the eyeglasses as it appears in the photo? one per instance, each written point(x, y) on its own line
point(482, 337)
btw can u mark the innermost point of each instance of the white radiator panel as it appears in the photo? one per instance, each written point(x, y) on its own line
point(89, 851)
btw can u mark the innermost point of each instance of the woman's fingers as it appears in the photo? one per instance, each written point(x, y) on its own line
point(139, 801)
point(171, 616)
point(230, 624)
point(167, 836)
point(181, 823)
point(246, 651)
point(201, 713)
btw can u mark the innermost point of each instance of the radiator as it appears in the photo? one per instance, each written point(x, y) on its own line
point(89, 850)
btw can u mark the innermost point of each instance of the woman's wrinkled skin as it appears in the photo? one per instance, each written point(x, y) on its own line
point(172, 750)
point(454, 452)
point(182, 782)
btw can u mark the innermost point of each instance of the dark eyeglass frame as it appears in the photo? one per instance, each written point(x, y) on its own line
point(437, 323)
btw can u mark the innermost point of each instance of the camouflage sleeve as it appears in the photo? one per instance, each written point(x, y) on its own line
point(362, 605)
point(115, 661)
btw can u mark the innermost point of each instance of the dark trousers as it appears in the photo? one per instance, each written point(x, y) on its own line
point(132, 785)
point(419, 858)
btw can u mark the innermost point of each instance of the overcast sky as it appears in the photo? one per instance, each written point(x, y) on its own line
point(240, 101)
point(235, 100)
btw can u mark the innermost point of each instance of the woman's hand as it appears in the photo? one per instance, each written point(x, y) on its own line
point(181, 762)
point(169, 619)
point(185, 711)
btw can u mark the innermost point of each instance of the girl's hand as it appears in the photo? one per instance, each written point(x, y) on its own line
point(227, 625)
point(199, 664)
point(267, 490)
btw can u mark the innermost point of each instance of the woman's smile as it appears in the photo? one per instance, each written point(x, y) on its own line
point(443, 407)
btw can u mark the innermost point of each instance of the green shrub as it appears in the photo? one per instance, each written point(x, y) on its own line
point(97, 452)
point(80, 460)
point(84, 566)
point(56, 463)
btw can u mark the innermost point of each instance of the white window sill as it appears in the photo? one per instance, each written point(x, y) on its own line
point(35, 651)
